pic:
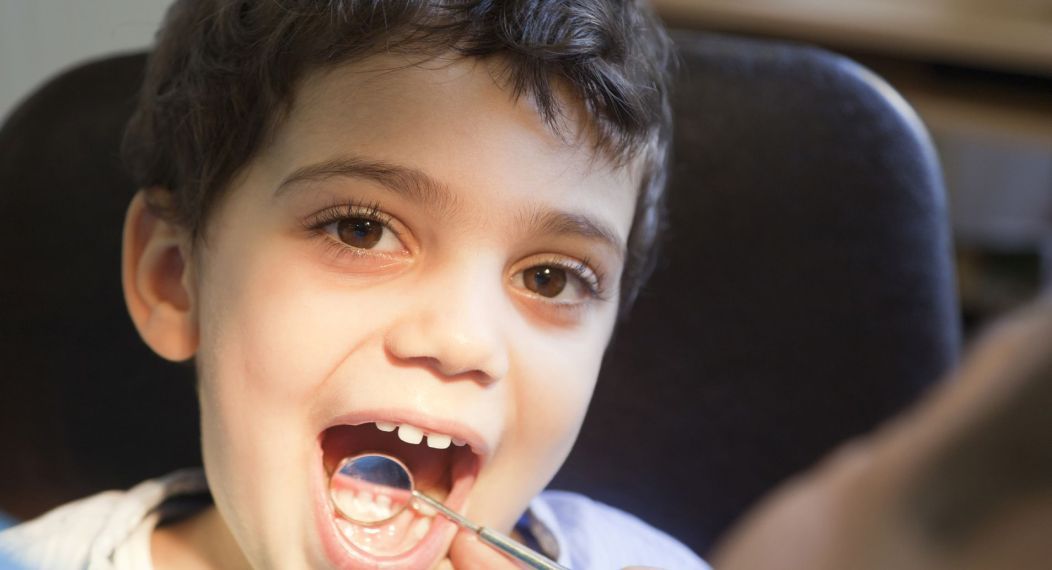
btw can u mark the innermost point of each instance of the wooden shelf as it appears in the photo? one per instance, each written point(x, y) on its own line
point(1008, 35)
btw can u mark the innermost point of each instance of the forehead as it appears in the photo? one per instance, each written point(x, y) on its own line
point(451, 119)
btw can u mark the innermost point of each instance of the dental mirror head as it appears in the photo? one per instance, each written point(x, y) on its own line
point(371, 488)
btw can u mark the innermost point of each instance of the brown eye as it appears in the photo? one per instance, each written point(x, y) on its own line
point(545, 280)
point(360, 232)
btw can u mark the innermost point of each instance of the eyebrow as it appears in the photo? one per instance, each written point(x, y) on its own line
point(557, 222)
point(413, 184)
point(417, 186)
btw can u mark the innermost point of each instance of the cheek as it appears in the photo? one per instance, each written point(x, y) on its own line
point(275, 329)
point(552, 385)
point(271, 335)
point(556, 384)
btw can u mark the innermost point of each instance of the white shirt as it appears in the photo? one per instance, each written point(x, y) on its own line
point(112, 530)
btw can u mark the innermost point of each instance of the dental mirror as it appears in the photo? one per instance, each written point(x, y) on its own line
point(384, 481)
point(388, 490)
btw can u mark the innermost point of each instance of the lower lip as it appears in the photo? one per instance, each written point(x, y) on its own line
point(424, 554)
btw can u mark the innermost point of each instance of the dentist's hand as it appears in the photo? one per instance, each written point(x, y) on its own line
point(469, 552)
point(962, 481)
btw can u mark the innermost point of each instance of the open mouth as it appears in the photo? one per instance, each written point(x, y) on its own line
point(443, 466)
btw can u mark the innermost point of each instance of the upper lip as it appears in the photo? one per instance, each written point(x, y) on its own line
point(428, 423)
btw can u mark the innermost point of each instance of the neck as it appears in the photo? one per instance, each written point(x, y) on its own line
point(199, 542)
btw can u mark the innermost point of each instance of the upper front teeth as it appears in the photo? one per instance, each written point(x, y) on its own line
point(412, 434)
point(438, 441)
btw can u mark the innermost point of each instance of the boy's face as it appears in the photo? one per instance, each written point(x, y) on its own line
point(355, 293)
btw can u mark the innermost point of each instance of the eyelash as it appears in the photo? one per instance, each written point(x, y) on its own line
point(339, 211)
point(591, 277)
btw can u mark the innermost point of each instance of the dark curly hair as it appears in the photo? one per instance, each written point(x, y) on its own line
point(223, 74)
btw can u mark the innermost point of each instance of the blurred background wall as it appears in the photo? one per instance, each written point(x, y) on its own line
point(39, 38)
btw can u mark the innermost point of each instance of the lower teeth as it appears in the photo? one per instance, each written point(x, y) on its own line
point(388, 539)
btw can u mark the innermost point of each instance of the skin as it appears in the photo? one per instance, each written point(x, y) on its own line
point(962, 481)
point(436, 319)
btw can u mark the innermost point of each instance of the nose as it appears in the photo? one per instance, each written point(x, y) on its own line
point(455, 331)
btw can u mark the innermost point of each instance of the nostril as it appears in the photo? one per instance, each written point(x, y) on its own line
point(428, 361)
point(453, 354)
point(454, 371)
point(438, 366)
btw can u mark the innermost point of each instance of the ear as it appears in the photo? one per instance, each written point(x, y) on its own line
point(158, 285)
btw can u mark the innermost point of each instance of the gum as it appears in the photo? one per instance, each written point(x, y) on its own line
point(358, 500)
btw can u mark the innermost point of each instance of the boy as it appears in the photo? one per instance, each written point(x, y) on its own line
point(388, 225)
